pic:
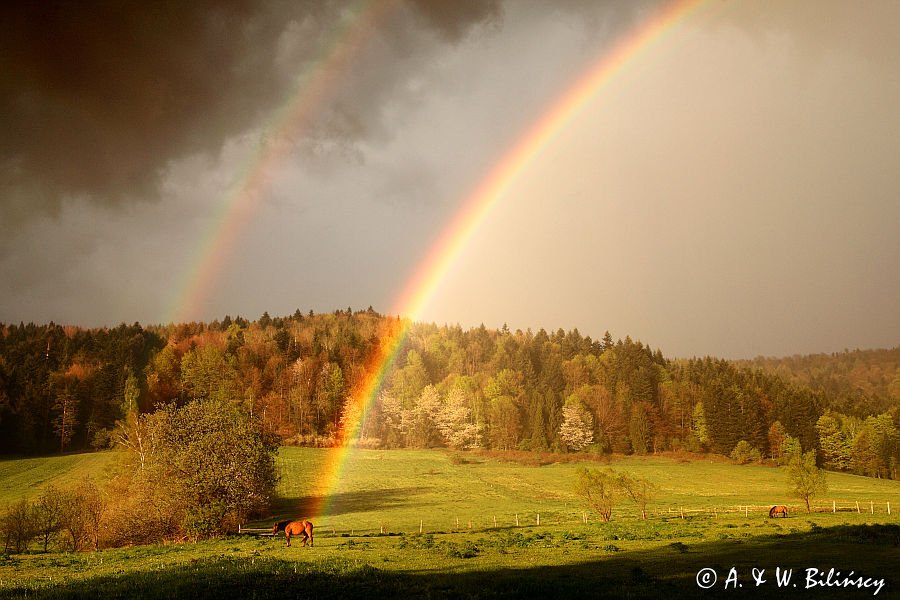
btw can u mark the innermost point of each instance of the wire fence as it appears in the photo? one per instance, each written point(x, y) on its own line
point(584, 517)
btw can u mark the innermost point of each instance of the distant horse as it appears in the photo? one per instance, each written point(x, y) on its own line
point(304, 528)
point(778, 510)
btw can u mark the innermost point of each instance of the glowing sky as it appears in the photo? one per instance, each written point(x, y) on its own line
point(734, 191)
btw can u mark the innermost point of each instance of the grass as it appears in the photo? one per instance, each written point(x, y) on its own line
point(406, 487)
point(26, 477)
point(398, 490)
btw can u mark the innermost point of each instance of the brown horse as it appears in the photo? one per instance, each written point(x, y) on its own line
point(304, 528)
point(778, 510)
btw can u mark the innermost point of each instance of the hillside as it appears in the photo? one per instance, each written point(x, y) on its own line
point(65, 388)
point(858, 382)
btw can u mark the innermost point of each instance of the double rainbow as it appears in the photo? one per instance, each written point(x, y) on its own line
point(311, 91)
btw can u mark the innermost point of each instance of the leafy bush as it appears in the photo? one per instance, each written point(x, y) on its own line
point(465, 550)
point(17, 527)
point(197, 470)
point(744, 453)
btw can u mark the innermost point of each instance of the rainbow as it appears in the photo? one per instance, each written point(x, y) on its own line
point(493, 187)
point(310, 92)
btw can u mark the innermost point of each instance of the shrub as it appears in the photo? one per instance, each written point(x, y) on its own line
point(744, 453)
point(17, 527)
point(464, 550)
point(200, 469)
point(48, 515)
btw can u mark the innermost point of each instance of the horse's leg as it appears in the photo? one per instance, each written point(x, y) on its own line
point(287, 534)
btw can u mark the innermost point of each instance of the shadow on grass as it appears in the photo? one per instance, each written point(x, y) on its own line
point(345, 502)
point(668, 572)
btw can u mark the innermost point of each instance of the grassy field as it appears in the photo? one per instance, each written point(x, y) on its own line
point(398, 492)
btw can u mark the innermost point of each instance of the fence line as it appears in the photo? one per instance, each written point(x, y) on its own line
point(535, 518)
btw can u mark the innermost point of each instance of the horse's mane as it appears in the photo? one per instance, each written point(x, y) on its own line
point(280, 525)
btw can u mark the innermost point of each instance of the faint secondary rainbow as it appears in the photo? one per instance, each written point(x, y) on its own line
point(242, 200)
point(423, 285)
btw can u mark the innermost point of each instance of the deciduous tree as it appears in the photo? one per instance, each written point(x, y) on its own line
point(577, 429)
point(637, 489)
point(598, 489)
point(806, 479)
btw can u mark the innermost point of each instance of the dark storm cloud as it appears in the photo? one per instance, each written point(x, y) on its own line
point(97, 97)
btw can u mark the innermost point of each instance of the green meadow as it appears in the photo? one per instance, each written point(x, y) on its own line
point(439, 524)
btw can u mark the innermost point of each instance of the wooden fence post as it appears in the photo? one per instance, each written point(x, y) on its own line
point(539, 518)
point(857, 506)
point(889, 507)
point(421, 525)
point(872, 507)
point(495, 521)
point(517, 519)
point(833, 506)
point(746, 511)
point(682, 511)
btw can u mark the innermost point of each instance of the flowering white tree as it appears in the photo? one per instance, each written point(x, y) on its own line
point(577, 429)
point(454, 421)
point(392, 412)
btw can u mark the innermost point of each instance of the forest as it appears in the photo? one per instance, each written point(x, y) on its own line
point(67, 388)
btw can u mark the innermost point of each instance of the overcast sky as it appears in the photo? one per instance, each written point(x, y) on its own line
point(734, 191)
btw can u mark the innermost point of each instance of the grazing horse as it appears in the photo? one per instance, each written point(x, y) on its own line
point(304, 528)
point(279, 526)
point(778, 510)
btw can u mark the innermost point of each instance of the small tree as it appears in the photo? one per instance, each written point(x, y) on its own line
point(744, 453)
point(48, 513)
point(94, 508)
point(637, 489)
point(17, 527)
point(75, 521)
point(806, 479)
point(598, 490)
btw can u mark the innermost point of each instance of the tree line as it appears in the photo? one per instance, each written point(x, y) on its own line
point(70, 388)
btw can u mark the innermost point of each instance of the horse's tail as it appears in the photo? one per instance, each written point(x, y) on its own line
point(772, 512)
